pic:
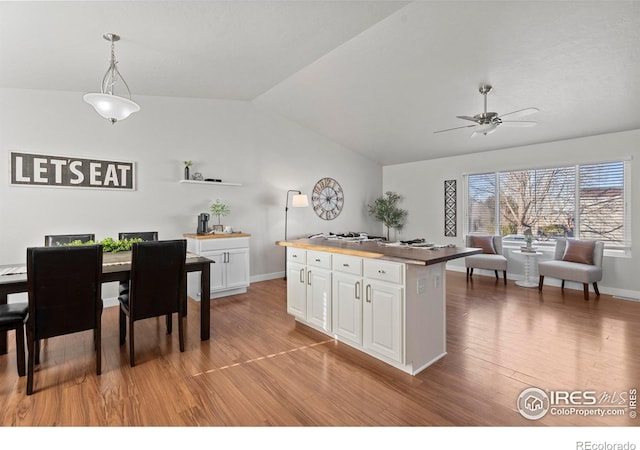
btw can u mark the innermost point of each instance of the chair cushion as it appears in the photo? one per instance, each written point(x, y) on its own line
point(13, 313)
point(489, 262)
point(572, 271)
point(579, 251)
point(485, 243)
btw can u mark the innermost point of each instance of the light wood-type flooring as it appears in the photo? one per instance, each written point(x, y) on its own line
point(262, 369)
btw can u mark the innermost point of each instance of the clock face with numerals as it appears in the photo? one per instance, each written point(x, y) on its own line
point(327, 198)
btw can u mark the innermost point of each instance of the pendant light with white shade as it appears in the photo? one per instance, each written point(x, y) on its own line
point(109, 105)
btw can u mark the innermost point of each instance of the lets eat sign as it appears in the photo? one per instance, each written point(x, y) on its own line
point(29, 169)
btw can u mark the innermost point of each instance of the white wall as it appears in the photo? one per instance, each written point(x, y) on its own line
point(231, 140)
point(422, 186)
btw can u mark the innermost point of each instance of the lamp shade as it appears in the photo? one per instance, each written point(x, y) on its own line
point(300, 201)
point(111, 107)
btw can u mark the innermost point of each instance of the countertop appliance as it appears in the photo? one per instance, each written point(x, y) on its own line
point(203, 223)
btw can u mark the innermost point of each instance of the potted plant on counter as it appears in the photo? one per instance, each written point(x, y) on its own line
point(221, 210)
point(385, 210)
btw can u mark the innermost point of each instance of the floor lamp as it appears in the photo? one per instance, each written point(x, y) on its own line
point(298, 201)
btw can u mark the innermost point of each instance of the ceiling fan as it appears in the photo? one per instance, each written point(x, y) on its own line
point(487, 122)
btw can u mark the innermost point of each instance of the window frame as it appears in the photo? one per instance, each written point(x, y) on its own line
point(623, 250)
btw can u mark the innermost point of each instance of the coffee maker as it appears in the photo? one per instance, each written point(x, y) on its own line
point(203, 223)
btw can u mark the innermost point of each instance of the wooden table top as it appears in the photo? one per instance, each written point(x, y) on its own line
point(373, 249)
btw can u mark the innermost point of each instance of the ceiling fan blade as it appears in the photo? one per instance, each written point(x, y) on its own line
point(473, 119)
point(518, 123)
point(456, 128)
point(521, 112)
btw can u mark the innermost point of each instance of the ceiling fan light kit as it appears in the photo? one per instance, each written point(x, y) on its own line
point(110, 106)
point(487, 122)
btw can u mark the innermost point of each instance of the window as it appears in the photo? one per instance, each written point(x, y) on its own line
point(584, 201)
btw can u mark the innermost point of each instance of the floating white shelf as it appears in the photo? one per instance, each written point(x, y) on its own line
point(211, 183)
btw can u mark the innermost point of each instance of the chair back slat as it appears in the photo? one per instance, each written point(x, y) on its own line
point(144, 235)
point(52, 240)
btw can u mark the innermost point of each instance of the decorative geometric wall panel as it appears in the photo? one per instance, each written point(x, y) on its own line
point(450, 216)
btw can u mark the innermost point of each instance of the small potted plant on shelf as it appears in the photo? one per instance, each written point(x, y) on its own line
point(221, 210)
point(187, 164)
point(385, 210)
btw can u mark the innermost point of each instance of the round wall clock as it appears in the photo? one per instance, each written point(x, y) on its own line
point(327, 198)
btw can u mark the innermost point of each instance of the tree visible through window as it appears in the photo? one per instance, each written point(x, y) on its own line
point(585, 201)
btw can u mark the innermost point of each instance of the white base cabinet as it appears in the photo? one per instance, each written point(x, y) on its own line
point(230, 270)
point(392, 311)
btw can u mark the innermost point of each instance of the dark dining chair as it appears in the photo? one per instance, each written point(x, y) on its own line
point(157, 288)
point(65, 296)
point(12, 317)
point(123, 287)
point(52, 240)
point(144, 235)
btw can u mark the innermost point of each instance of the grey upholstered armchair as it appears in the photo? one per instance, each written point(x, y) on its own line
point(575, 260)
point(491, 257)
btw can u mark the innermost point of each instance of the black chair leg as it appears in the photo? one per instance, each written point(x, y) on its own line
point(562, 286)
point(98, 335)
point(595, 288)
point(467, 274)
point(497, 276)
point(37, 351)
point(169, 323)
point(131, 346)
point(540, 282)
point(585, 287)
point(20, 349)
point(504, 273)
point(31, 342)
point(123, 326)
point(181, 331)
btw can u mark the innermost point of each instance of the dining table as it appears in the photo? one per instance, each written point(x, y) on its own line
point(115, 267)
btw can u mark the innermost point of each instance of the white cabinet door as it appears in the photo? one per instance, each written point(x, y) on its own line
point(236, 267)
point(217, 270)
point(382, 319)
point(297, 290)
point(319, 297)
point(347, 307)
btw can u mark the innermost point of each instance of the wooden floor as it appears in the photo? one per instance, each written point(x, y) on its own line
point(261, 369)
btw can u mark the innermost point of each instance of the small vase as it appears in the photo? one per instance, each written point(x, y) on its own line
point(186, 172)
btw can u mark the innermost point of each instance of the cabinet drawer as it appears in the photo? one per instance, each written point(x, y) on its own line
point(223, 243)
point(319, 259)
point(297, 254)
point(347, 264)
point(384, 271)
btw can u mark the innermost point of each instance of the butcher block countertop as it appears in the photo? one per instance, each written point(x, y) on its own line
point(372, 249)
point(215, 236)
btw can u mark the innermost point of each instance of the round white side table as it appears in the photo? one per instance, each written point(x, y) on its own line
point(528, 257)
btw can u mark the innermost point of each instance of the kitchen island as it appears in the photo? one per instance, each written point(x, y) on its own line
point(386, 300)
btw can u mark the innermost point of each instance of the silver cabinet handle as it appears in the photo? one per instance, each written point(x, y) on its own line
point(357, 290)
point(317, 259)
point(381, 271)
point(294, 256)
point(309, 278)
point(302, 276)
point(368, 293)
point(345, 265)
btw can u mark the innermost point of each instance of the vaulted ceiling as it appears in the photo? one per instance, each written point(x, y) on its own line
point(378, 77)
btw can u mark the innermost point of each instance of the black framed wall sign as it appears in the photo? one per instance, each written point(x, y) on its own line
point(450, 208)
point(30, 169)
